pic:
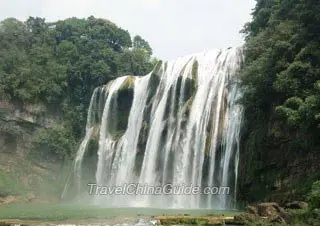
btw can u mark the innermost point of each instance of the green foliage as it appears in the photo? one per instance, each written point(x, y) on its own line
point(136, 62)
point(282, 68)
point(59, 64)
point(140, 43)
point(154, 62)
point(56, 142)
point(314, 196)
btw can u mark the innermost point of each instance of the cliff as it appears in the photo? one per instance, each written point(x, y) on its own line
point(23, 177)
point(273, 169)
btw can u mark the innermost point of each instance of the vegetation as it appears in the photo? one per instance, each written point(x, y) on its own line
point(59, 64)
point(310, 216)
point(314, 196)
point(282, 69)
point(281, 76)
point(58, 142)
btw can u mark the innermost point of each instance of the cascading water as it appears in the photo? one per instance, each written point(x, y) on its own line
point(178, 125)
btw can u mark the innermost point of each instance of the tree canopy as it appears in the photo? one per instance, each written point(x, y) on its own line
point(282, 68)
point(60, 63)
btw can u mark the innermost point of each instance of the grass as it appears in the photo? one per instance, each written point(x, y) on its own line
point(66, 212)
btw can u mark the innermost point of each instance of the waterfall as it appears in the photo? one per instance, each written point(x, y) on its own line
point(179, 126)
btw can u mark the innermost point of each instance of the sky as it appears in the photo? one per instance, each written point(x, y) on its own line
point(173, 28)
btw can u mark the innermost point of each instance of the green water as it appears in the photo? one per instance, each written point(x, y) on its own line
point(65, 212)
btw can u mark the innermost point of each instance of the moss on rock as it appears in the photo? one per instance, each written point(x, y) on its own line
point(189, 89)
point(194, 71)
point(120, 108)
point(117, 134)
point(128, 83)
point(196, 220)
point(157, 68)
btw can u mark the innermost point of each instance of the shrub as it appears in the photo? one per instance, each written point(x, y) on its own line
point(314, 195)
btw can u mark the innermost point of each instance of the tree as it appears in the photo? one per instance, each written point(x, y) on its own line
point(141, 44)
point(282, 66)
point(59, 64)
point(314, 196)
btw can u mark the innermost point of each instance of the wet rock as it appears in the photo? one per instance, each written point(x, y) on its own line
point(252, 210)
point(273, 213)
point(267, 209)
point(297, 205)
point(283, 214)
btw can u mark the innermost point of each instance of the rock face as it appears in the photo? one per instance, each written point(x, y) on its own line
point(269, 170)
point(18, 122)
point(22, 179)
point(28, 113)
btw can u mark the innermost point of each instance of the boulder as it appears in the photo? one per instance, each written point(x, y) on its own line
point(283, 214)
point(273, 212)
point(296, 205)
point(252, 210)
point(267, 209)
